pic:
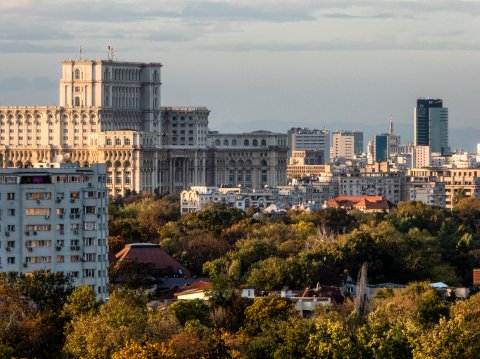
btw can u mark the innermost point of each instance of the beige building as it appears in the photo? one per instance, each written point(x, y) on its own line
point(343, 145)
point(459, 182)
point(110, 112)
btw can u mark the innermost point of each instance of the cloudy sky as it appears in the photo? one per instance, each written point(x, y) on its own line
point(290, 61)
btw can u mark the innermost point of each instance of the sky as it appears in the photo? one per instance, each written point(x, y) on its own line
point(312, 62)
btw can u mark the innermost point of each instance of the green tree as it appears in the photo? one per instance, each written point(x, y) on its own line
point(82, 300)
point(185, 310)
point(264, 312)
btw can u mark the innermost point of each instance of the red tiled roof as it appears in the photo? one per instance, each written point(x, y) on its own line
point(360, 202)
point(152, 254)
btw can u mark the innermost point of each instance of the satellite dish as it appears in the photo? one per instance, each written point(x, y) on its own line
point(58, 159)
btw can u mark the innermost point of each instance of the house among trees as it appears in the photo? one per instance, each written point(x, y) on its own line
point(362, 203)
point(161, 264)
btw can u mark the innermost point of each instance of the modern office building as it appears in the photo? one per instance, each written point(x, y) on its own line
point(303, 139)
point(381, 147)
point(431, 125)
point(54, 217)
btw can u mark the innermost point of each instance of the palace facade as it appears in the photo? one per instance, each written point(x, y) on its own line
point(110, 112)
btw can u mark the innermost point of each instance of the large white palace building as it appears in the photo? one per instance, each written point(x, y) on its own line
point(110, 112)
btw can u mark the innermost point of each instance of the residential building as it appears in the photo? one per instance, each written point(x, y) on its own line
point(361, 203)
point(391, 185)
point(54, 217)
point(343, 145)
point(428, 192)
point(459, 182)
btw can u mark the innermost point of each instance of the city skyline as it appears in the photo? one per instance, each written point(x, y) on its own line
point(311, 62)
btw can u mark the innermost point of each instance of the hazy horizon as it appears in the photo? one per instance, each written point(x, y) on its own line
point(313, 62)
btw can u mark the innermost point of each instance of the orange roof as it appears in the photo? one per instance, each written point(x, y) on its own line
point(197, 287)
point(152, 254)
point(359, 202)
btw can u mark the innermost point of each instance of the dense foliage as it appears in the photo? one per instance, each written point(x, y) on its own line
point(42, 316)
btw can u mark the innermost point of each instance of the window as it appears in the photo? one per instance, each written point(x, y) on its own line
point(77, 74)
point(118, 142)
point(246, 143)
point(10, 228)
point(108, 142)
point(11, 196)
point(77, 101)
point(11, 211)
point(37, 211)
point(11, 260)
point(60, 259)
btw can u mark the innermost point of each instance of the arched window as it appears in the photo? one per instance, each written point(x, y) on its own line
point(77, 74)
point(108, 142)
point(127, 141)
point(255, 143)
point(118, 164)
point(234, 142)
point(77, 101)
point(225, 142)
point(118, 142)
point(246, 143)
point(263, 163)
point(264, 142)
point(217, 142)
point(126, 164)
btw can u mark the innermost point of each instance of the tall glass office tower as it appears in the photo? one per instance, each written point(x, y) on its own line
point(431, 125)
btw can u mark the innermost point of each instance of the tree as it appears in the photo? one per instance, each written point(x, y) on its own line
point(264, 312)
point(145, 351)
point(185, 310)
point(82, 300)
point(122, 319)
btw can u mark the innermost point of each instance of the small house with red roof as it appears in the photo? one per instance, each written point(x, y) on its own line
point(161, 264)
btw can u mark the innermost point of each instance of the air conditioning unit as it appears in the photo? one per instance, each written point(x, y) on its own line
point(90, 184)
point(38, 201)
point(59, 200)
point(47, 217)
point(62, 231)
point(72, 216)
point(72, 200)
point(7, 234)
point(25, 265)
point(27, 233)
point(99, 215)
point(30, 249)
point(59, 248)
point(75, 231)
point(8, 249)
point(34, 233)
point(60, 216)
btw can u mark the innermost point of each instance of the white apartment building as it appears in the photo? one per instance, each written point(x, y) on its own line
point(431, 193)
point(54, 217)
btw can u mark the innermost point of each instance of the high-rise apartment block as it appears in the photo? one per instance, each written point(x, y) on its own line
point(54, 217)
point(431, 125)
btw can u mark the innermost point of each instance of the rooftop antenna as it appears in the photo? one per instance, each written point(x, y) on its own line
point(391, 124)
point(80, 53)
